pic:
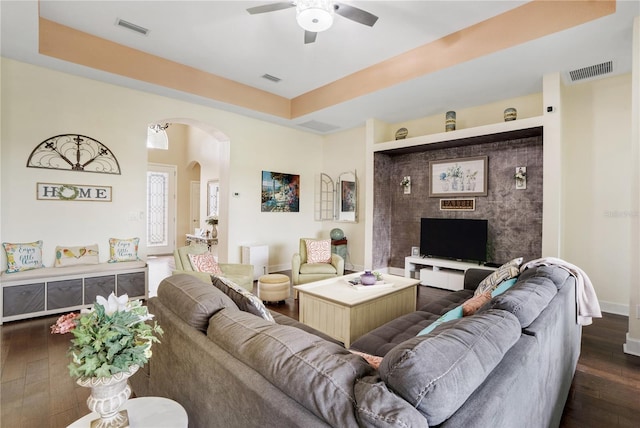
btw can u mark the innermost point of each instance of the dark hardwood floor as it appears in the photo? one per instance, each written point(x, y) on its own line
point(38, 392)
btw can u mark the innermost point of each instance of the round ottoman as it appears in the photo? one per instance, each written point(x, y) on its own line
point(273, 287)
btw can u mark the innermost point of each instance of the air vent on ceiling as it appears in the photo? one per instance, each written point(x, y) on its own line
point(319, 126)
point(133, 27)
point(272, 78)
point(591, 71)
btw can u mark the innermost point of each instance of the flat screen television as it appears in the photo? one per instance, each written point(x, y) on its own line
point(454, 238)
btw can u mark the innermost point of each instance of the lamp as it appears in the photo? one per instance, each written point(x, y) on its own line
point(314, 15)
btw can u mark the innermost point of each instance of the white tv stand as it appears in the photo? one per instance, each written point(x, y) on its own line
point(441, 273)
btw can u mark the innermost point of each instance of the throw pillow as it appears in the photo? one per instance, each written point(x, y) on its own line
point(476, 302)
point(242, 298)
point(453, 314)
point(318, 251)
point(80, 255)
point(373, 360)
point(23, 256)
point(503, 287)
point(123, 250)
point(508, 270)
point(205, 263)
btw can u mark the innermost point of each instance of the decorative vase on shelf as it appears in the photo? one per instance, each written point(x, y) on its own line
point(108, 395)
point(214, 231)
point(368, 278)
point(510, 114)
point(450, 121)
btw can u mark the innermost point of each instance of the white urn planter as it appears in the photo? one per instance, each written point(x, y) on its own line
point(108, 395)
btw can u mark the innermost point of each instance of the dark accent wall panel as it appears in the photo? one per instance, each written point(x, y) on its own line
point(514, 216)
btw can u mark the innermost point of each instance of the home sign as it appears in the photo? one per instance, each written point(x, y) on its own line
point(73, 192)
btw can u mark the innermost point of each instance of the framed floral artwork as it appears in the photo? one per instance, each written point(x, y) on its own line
point(458, 177)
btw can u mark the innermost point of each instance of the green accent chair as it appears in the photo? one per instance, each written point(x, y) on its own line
point(303, 272)
point(241, 274)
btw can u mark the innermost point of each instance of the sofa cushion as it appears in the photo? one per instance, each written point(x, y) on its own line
point(317, 268)
point(555, 273)
point(444, 304)
point(384, 338)
point(438, 372)
point(526, 299)
point(378, 407)
point(245, 300)
point(320, 375)
point(192, 300)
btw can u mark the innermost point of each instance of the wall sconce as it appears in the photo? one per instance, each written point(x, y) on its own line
point(406, 184)
point(521, 177)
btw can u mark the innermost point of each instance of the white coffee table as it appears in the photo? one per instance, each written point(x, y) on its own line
point(146, 412)
point(345, 313)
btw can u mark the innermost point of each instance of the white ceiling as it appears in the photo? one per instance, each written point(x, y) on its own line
point(221, 38)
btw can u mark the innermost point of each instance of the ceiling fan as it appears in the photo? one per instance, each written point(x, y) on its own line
point(315, 16)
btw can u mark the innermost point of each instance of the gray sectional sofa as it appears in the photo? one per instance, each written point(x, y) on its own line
point(510, 364)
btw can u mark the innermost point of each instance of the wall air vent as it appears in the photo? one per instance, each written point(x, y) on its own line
point(272, 78)
point(319, 126)
point(133, 27)
point(591, 72)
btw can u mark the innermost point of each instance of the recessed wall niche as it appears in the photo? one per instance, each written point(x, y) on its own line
point(514, 216)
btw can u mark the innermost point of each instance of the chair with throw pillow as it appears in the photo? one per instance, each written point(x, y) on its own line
point(315, 262)
point(198, 261)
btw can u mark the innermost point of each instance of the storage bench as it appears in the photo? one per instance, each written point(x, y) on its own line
point(52, 290)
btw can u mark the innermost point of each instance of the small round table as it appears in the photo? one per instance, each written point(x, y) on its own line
point(146, 412)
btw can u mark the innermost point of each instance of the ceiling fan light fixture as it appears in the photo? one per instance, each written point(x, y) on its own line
point(314, 15)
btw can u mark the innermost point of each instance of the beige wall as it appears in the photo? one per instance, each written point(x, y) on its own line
point(527, 106)
point(344, 152)
point(38, 103)
point(597, 184)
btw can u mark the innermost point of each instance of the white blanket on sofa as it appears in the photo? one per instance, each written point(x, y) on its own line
point(586, 299)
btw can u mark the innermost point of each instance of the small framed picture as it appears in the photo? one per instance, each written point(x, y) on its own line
point(415, 251)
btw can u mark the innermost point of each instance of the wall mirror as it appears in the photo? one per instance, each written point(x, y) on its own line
point(337, 201)
point(347, 200)
point(324, 202)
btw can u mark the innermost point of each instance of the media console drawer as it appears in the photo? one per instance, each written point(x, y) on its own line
point(442, 278)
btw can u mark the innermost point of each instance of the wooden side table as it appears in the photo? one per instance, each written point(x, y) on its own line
point(146, 412)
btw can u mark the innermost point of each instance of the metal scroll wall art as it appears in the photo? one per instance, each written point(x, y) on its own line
point(74, 152)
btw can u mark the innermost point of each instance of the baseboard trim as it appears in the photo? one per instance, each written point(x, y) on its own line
point(614, 308)
point(632, 346)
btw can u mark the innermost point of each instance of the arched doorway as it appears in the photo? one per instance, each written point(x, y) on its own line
point(200, 154)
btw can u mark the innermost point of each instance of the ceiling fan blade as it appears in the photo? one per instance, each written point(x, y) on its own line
point(355, 14)
point(309, 37)
point(271, 7)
